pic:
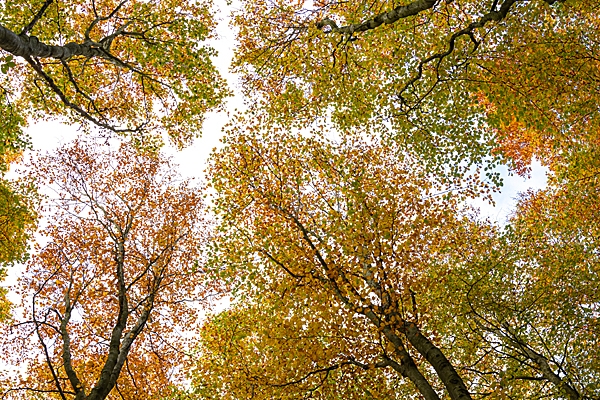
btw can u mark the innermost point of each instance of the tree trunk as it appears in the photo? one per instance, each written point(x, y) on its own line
point(444, 369)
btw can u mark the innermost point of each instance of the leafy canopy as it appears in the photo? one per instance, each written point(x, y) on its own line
point(458, 82)
point(122, 271)
point(141, 68)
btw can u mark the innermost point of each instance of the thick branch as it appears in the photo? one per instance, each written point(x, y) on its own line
point(66, 355)
point(387, 17)
point(30, 46)
point(547, 373)
point(133, 333)
point(407, 367)
point(105, 382)
point(118, 355)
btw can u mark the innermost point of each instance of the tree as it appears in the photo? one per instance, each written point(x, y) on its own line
point(358, 276)
point(17, 198)
point(457, 82)
point(134, 67)
point(16, 216)
point(330, 248)
point(108, 300)
point(292, 344)
point(17, 221)
point(325, 304)
point(526, 310)
point(531, 293)
point(357, 272)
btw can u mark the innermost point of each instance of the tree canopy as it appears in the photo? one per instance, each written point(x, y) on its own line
point(360, 277)
point(141, 68)
point(138, 68)
point(455, 81)
point(339, 218)
point(17, 198)
point(122, 271)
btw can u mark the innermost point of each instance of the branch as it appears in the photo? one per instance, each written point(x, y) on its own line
point(100, 19)
point(30, 46)
point(73, 378)
point(119, 352)
point(61, 392)
point(547, 373)
point(36, 18)
point(106, 382)
point(315, 372)
point(134, 332)
point(63, 97)
point(387, 17)
point(47, 357)
point(280, 264)
point(407, 367)
point(443, 367)
point(468, 31)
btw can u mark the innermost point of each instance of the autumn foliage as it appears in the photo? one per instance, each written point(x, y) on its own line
point(339, 222)
point(140, 68)
point(357, 276)
point(108, 299)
